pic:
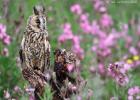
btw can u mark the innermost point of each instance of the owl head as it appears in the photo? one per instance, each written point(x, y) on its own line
point(37, 22)
point(63, 61)
point(63, 55)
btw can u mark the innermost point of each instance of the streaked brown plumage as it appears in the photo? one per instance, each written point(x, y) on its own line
point(62, 59)
point(35, 47)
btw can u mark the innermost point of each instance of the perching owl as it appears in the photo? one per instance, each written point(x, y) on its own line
point(35, 47)
point(62, 59)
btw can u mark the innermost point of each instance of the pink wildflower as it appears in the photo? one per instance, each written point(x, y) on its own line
point(92, 69)
point(133, 51)
point(7, 94)
point(67, 33)
point(84, 17)
point(130, 98)
point(72, 87)
point(84, 23)
point(94, 48)
point(110, 40)
point(7, 40)
point(99, 6)
point(115, 71)
point(17, 89)
point(76, 47)
point(76, 8)
point(133, 93)
point(94, 28)
point(101, 35)
point(78, 50)
point(3, 36)
point(106, 20)
point(104, 51)
point(2, 31)
point(5, 52)
point(70, 67)
point(79, 97)
point(101, 69)
point(31, 97)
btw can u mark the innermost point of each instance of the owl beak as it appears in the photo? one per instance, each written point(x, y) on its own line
point(42, 28)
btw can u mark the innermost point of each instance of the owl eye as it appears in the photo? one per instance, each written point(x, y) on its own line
point(38, 21)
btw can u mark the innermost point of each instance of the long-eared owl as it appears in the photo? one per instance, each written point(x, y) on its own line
point(35, 47)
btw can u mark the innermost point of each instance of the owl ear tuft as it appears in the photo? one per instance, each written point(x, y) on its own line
point(43, 9)
point(35, 10)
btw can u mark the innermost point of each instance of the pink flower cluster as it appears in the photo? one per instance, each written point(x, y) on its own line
point(134, 93)
point(105, 37)
point(83, 18)
point(84, 23)
point(7, 95)
point(76, 47)
point(70, 67)
point(5, 52)
point(99, 6)
point(117, 72)
point(105, 43)
point(101, 69)
point(94, 28)
point(133, 51)
point(106, 20)
point(68, 35)
point(6, 39)
point(76, 8)
point(104, 40)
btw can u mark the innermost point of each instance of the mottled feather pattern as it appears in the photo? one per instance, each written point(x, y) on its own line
point(35, 50)
point(35, 46)
point(35, 58)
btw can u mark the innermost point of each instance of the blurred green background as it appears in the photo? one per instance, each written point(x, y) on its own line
point(16, 13)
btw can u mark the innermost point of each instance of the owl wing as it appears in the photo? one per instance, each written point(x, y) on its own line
point(47, 54)
point(21, 53)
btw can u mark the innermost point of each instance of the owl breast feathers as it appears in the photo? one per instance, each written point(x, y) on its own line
point(35, 47)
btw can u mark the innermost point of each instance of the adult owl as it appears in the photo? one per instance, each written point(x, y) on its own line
point(35, 47)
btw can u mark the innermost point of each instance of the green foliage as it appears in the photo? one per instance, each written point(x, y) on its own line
point(59, 12)
point(48, 93)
